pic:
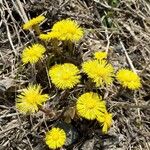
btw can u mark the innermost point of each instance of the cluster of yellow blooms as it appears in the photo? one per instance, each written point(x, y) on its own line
point(98, 70)
point(91, 106)
point(64, 30)
point(65, 76)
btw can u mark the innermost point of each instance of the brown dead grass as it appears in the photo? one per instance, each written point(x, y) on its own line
point(129, 41)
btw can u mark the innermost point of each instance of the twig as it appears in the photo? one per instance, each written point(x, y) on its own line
point(13, 19)
point(8, 129)
point(9, 115)
point(127, 56)
point(130, 105)
point(12, 127)
point(21, 127)
point(9, 37)
point(138, 109)
point(8, 33)
point(25, 18)
point(107, 38)
point(144, 69)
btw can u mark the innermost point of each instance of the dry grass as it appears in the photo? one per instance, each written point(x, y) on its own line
point(124, 28)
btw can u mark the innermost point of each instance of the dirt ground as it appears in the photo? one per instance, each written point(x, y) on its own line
point(121, 27)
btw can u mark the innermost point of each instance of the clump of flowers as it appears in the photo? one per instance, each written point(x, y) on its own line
point(99, 71)
point(64, 76)
point(30, 99)
point(33, 53)
point(67, 30)
point(106, 120)
point(100, 55)
point(33, 22)
point(90, 105)
point(63, 35)
point(128, 79)
point(55, 138)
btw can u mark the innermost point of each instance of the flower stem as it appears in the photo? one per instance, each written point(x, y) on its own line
point(55, 44)
point(70, 46)
point(37, 29)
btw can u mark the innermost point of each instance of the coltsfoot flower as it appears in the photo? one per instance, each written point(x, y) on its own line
point(90, 105)
point(33, 22)
point(64, 76)
point(33, 53)
point(100, 55)
point(68, 30)
point(30, 99)
point(49, 36)
point(128, 79)
point(99, 71)
point(55, 138)
point(106, 120)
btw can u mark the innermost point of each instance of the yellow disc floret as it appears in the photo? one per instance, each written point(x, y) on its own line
point(55, 138)
point(99, 71)
point(68, 30)
point(100, 55)
point(33, 53)
point(30, 99)
point(64, 76)
point(106, 120)
point(33, 22)
point(90, 105)
point(129, 79)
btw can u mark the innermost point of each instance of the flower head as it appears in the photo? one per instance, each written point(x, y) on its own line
point(99, 71)
point(128, 79)
point(33, 53)
point(30, 99)
point(100, 55)
point(55, 138)
point(90, 105)
point(106, 120)
point(34, 21)
point(49, 36)
point(68, 30)
point(64, 76)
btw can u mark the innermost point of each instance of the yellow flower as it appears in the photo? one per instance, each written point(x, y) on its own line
point(64, 76)
point(99, 71)
point(68, 30)
point(49, 36)
point(128, 79)
point(33, 53)
point(55, 138)
point(100, 55)
point(30, 99)
point(33, 22)
point(106, 120)
point(90, 105)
